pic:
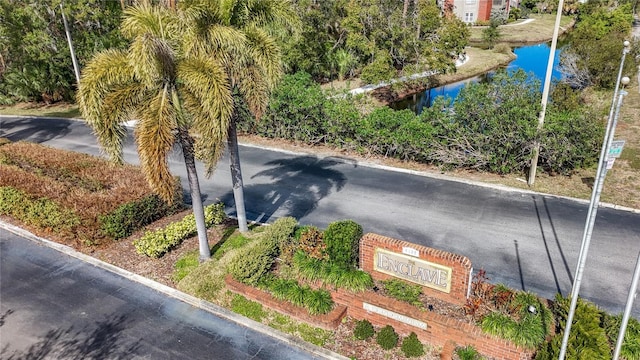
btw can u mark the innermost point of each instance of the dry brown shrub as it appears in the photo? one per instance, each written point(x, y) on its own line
point(88, 185)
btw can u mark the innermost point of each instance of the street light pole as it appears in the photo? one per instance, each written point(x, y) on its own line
point(591, 218)
point(627, 309)
point(626, 49)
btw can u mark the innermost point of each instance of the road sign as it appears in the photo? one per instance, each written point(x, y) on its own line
point(616, 149)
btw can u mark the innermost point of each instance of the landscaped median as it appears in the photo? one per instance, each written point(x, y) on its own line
point(359, 295)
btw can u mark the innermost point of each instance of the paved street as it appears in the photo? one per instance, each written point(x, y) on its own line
point(525, 240)
point(57, 307)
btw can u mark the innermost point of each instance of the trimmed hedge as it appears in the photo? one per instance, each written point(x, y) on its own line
point(131, 216)
point(42, 212)
point(387, 337)
point(157, 243)
point(342, 240)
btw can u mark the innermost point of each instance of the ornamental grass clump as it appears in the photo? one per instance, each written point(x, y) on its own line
point(529, 324)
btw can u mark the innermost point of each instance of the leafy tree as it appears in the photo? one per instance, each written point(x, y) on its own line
point(491, 33)
point(178, 96)
point(596, 40)
point(35, 62)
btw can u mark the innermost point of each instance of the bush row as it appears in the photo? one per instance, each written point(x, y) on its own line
point(491, 126)
point(42, 213)
point(387, 338)
point(255, 261)
point(133, 215)
point(78, 181)
point(157, 243)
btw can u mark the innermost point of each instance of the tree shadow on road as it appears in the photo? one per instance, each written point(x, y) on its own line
point(35, 131)
point(295, 187)
point(103, 340)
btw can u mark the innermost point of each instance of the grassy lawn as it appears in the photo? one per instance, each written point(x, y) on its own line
point(63, 110)
point(538, 30)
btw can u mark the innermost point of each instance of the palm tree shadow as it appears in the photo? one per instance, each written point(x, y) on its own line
point(295, 187)
point(35, 131)
point(103, 340)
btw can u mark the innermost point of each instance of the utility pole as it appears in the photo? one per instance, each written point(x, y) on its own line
point(545, 94)
point(76, 69)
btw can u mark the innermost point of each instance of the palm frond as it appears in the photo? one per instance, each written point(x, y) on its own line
point(207, 96)
point(106, 72)
point(274, 14)
point(147, 19)
point(253, 88)
point(155, 136)
point(265, 52)
point(153, 59)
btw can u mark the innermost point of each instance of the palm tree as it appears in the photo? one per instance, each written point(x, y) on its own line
point(252, 68)
point(177, 96)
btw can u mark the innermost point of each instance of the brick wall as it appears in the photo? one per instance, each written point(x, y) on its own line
point(440, 329)
point(460, 265)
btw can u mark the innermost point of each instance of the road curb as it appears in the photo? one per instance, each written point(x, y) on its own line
point(179, 295)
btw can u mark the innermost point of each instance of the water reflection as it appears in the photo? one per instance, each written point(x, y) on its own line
point(531, 58)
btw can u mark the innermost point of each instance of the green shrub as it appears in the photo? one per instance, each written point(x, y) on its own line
point(248, 308)
point(312, 269)
point(157, 243)
point(403, 291)
point(254, 261)
point(587, 339)
point(411, 346)
point(131, 216)
point(387, 337)
point(530, 330)
point(363, 330)
point(468, 353)
point(631, 345)
point(342, 239)
point(42, 213)
point(315, 301)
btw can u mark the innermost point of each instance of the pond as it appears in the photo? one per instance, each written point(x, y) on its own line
point(530, 58)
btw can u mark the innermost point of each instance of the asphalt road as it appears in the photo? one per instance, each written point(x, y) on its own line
point(58, 307)
point(525, 240)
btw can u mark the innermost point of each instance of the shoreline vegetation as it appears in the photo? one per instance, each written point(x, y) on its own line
point(621, 187)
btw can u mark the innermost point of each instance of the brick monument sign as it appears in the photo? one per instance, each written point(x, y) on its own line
point(443, 275)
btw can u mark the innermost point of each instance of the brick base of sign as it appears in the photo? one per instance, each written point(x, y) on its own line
point(439, 328)
point(328, 321)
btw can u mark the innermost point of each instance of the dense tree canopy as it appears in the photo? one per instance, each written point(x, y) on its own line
point(595, 42)
point(35, 62)
point(340, 38)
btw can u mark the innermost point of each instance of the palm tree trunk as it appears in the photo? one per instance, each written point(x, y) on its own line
point(196, 200)
point(236, 174)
